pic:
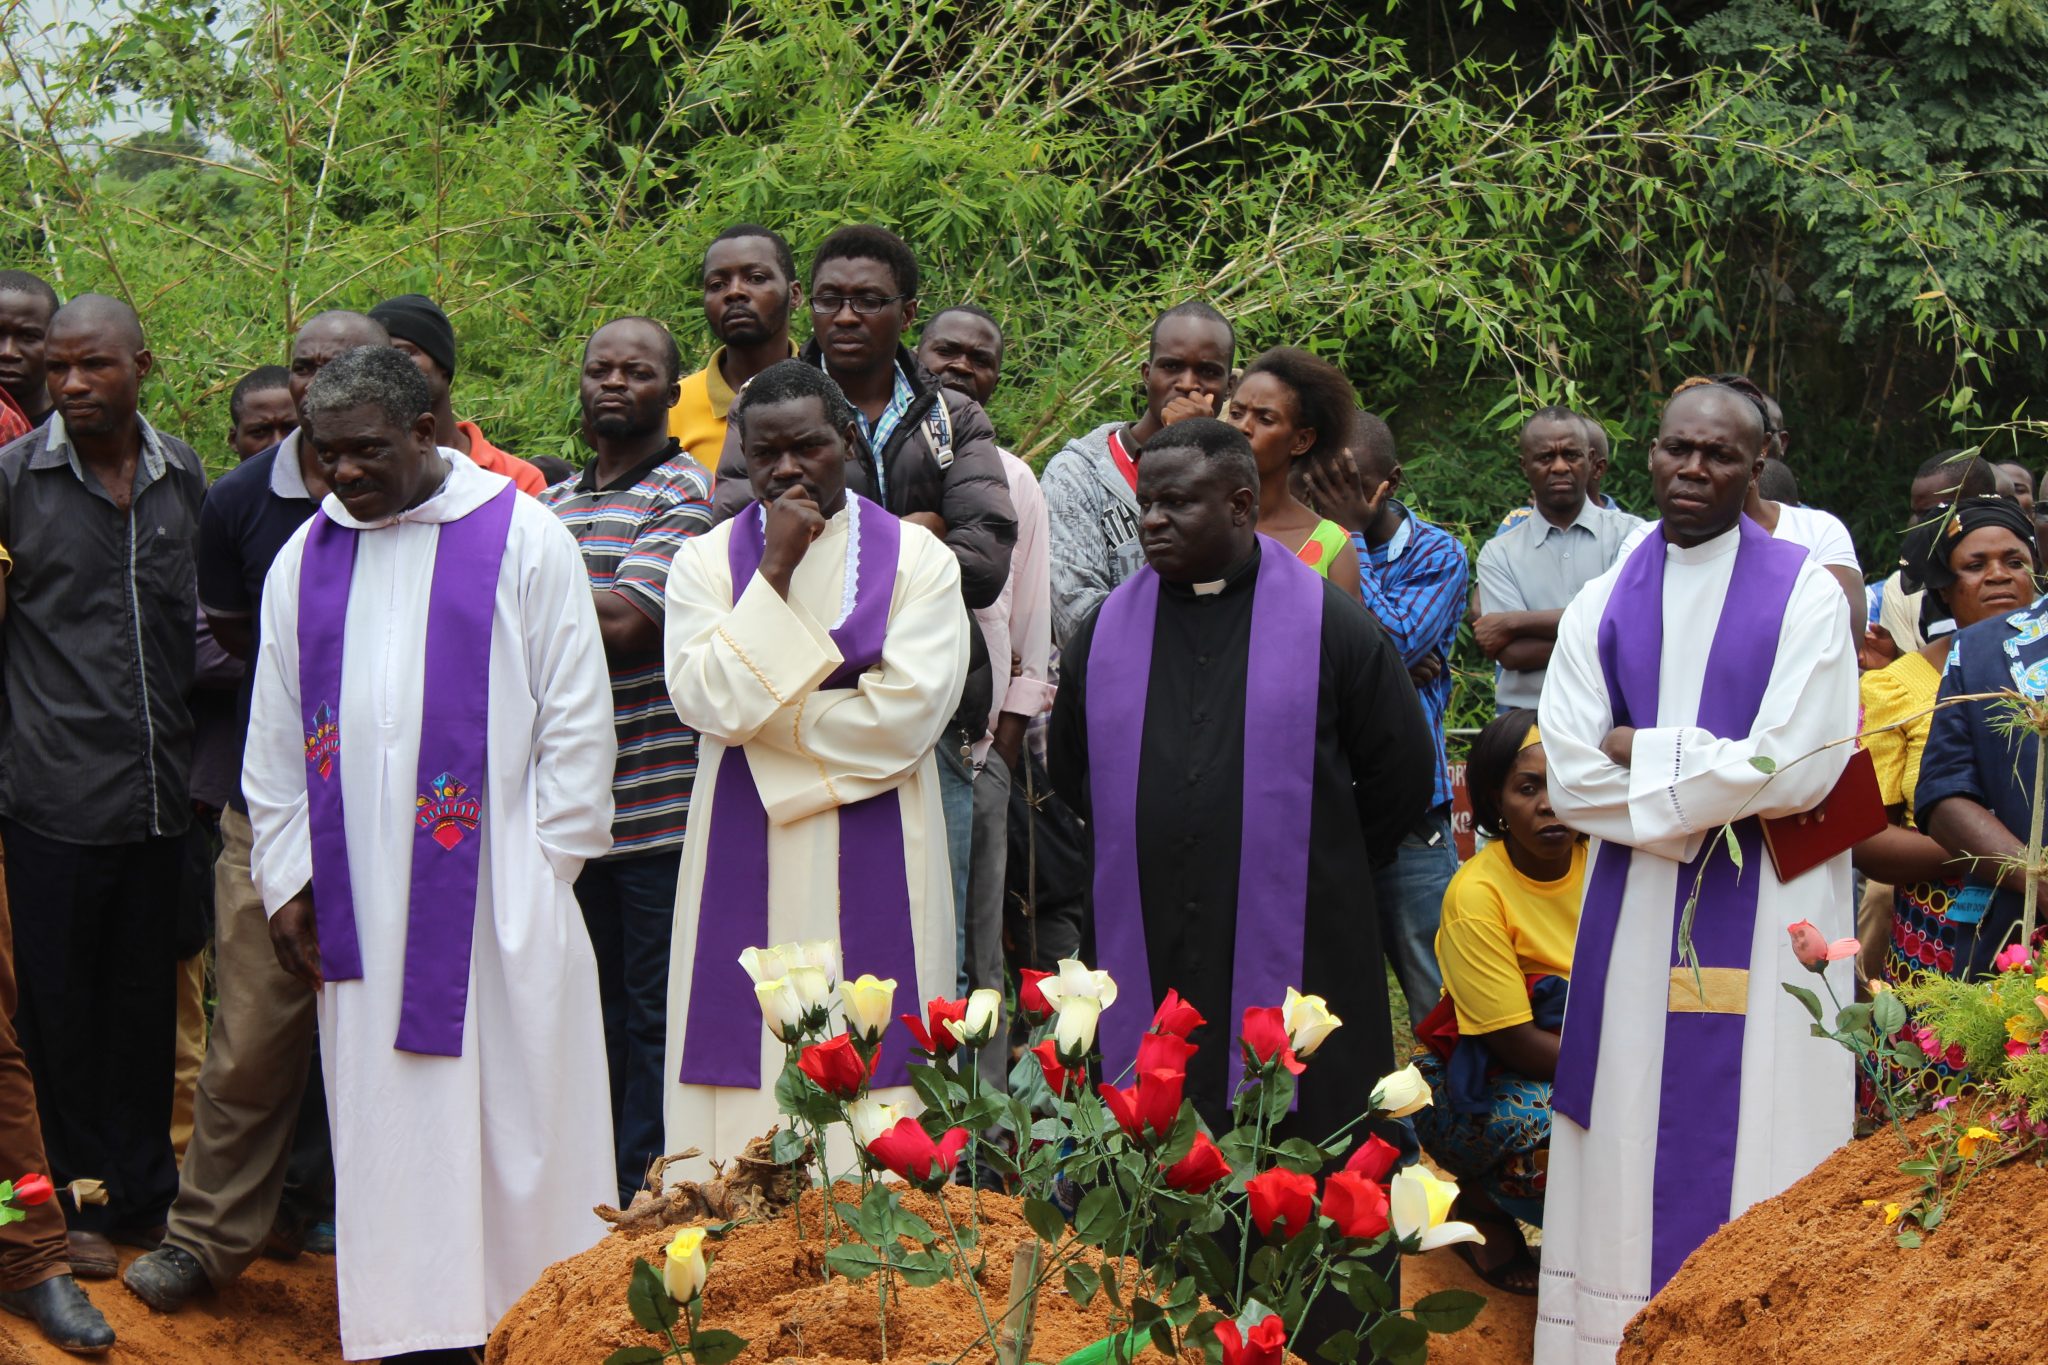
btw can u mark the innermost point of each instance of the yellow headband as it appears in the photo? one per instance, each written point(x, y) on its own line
point(1534, 736)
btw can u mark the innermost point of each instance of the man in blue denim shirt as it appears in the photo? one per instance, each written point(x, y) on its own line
point(1413, 576)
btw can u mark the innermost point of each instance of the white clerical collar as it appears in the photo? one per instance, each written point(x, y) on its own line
point(1706, 551)
point(1208, 589)
point(467, 487)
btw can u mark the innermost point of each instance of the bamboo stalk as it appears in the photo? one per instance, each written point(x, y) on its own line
point(1013, 1336)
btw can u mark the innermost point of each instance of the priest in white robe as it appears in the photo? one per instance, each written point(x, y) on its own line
point(1683, 678)
point(428, 767)
point(818, 646)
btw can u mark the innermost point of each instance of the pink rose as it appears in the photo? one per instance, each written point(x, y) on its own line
point(1814, 951)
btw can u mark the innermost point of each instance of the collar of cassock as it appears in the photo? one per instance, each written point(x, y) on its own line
point(1238, 575)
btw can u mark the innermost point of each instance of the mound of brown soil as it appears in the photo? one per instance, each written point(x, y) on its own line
point(767, 1286)
point(1815, 1275)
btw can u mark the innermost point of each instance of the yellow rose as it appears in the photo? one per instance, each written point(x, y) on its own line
point(868, 1003)
point(1308, 1021)
point(781, 1009)
point(685, 1271)
point(1418, 1203)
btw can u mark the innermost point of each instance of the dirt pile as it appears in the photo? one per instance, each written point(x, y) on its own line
point(767, 1286)
point(1815, 1275)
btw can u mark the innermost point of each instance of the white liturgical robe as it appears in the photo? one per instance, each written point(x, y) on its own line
point(749, 673)
point(1796, 1091)
point(458, 1179)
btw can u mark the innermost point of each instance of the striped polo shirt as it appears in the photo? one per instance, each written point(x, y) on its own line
point(629, 532)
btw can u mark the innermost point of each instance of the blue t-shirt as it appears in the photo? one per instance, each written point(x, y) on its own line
point(249, 514)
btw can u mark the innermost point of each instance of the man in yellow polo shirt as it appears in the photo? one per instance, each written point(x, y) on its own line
point(750, 291)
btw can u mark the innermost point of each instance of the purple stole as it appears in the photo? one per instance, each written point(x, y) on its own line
point(1282, 678)
point(454, 740)
point(722, 1037)
point(1700, 1104)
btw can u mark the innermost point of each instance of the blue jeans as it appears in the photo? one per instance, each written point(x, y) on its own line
point(1410, 891)
point(956, 799)
point(629, 907)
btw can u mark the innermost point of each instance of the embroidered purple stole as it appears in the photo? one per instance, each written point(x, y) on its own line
point(1283, 672)
point(1700, 1101)
point(722, 1036)
point(454, 739)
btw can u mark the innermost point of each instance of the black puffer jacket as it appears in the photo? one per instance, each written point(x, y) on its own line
point(967, 487)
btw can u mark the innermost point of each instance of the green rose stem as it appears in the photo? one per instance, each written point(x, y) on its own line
point(2037, 718)
point(1244, 1217)
point(960, 1268)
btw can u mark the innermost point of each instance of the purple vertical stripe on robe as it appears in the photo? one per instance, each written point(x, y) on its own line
point(1700, 1095)
point(454, 743)
point(1283, 675)
point(329, 559)
point(721, 1039)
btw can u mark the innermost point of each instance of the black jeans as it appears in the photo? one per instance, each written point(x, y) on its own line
point(629, 907)
point(94, 934)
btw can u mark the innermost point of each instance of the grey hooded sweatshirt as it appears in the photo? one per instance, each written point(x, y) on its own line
point(1093, 518)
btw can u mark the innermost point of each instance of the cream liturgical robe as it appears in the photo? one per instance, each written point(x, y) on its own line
point(1755, 1102)
point(751, 676)
point(458, 1178)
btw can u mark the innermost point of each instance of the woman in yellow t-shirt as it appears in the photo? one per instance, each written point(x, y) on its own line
point(1976, 560)
point(1505, 946)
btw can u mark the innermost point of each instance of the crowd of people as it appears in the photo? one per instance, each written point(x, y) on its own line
point(801, 654)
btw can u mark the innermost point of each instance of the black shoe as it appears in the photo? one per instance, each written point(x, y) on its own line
point(64, 1313)
point(166, 1279)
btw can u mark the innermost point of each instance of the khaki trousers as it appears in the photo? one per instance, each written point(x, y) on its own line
point(250, 1083)
point(191, 1048)
point(33, 1249)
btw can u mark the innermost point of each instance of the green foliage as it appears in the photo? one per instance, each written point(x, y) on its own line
point(1472, 211)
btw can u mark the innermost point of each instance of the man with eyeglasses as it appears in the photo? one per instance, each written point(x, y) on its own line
point(931, 453)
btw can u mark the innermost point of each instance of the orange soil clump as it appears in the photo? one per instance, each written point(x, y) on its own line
point(1815, 1275)
point(767, 1286)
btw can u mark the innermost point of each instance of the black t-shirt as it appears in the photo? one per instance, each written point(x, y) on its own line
point(246, 520)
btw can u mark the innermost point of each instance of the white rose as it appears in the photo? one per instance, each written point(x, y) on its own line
point(870, 1118)
point(868, 1003)
point(1401, 1094)
point(1308, 1020)
point(979, 1024)
point(1418, 1203)
point(764, 964)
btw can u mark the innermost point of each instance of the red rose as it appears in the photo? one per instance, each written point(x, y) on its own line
point(934, 1039)
point(1154, 1102)
point(1265, 1037)
point(910, 1152)
point(1356, 1204)
point(33, 1189)
point(1375, 1160)
point(1201, 1168)
point(1164, 1052)
point(835, 1066)
point(1284, 1197)
point(1031, 1000)
point(1060, 1078)
point(1265, 1345)
point(1176, 1016)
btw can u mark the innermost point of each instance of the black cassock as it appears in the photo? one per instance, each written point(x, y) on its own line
point(1373, 780)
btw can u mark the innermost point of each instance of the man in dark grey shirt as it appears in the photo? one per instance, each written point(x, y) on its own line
point(99, 511)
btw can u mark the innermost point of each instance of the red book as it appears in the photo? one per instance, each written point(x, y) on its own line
point(1851, 813)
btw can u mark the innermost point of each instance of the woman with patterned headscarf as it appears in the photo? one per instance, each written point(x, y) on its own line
point(1975, 558)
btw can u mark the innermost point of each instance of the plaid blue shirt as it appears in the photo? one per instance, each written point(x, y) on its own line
point(882, 428)
point(1415, 585)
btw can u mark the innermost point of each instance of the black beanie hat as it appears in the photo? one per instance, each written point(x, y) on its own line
point(418, 319)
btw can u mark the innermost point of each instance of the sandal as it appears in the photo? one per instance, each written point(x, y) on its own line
point(1497, 1276)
